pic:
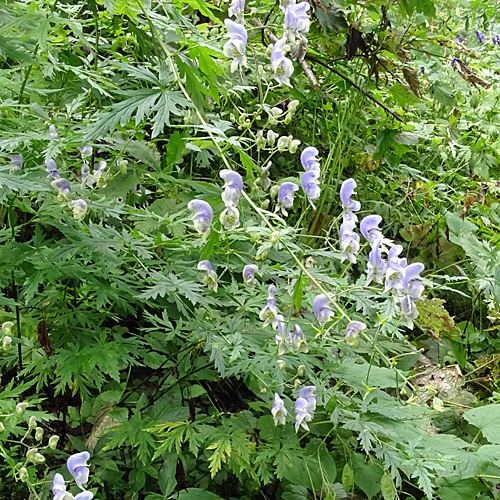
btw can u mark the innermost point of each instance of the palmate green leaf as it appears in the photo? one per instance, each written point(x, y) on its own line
point(487, 419)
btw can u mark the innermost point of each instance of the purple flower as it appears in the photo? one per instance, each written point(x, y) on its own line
point(249, 274)
point(269, 312)
point(278, 410)
point(210, 278)
point(310, 185)
point(412, 272)
point(460, 39)
point(85, 170)
point(349, 241)
point(395, 273)
point(233, 185)
point(85, 151)
point(52, 169)
point(376, 265)
point(79, 209)
point(453, 61)
point(480, 37)
point(283, 337)
point(422, 69)
point(77, 466)
point(296, 19)
point(84, 495)
point(369, 228)
point(352, 331)
point(16, 161)
point(202, 216)
point(285, 196)
point(346, 191)
point(52, 132)
point(321, 308)
point(63, 187)
point(230, 217)
point(309, 159)
point(304, 407)
point(236, 9)
point(280, 64)
point(235, 47)
point(299, 340)
point(409, 311)
point(59, 487)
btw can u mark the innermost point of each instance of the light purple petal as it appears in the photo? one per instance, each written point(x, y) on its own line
point(369, 227)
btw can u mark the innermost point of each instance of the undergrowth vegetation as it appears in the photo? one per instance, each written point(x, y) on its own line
point(249, 250)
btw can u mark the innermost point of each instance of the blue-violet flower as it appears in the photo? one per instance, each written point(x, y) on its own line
point(235, 47)
point(321, 308)
point(285, 196)
point(249, 274)
point(210, 278)
point(278, 410)
point(280, 64)
point(202, 216)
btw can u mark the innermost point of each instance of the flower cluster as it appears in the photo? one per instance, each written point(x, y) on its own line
point(305, 405)
point(287, 342)
point(296, 19)
point(310, 178)
point(236, 46)
point(349, 240)
point(78, 468)
point(230, 216)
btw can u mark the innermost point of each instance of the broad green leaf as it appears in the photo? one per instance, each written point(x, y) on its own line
point(487, 419)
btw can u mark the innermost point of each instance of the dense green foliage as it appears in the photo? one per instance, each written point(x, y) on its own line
point(112, 336)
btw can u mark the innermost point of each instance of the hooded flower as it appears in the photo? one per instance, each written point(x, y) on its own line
point(299, 340)
point(249, 274)
point(269, 312)
point(63, 187)
point(52, 132)
point(79, 209)
point(85, 151)
point(16, 162)
point(304, 407)
point(309, 159)
point(202, 216)
point(230, 217)
point(369, 228)
point(77, 466)
point(236, 9)
point(278, 410)
point(210, 278)
point(283, 337)
point(233, 185)
point(100, 176)
point(349, 242)
point(409, 311)
point(481, 38)
point(280, 64)
point(85, 172)
point(395, 272)
point(285, 196)
point(52, 169)
point(413, 291)
point(376, 265)
point(352, 331)
point(296, 20)
point(59, 487)
point(310, 185)
point(321, 308)
point(346, 191)
point(235, 47)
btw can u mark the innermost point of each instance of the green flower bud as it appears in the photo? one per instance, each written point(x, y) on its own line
point(38, 458)
point(300, 370)
point(293, 105)
point(264, 204)
point(6, 342)
point(288, 118)
point(21, 408)
point(6, 327)
point(260, 141)
point(32, 423)
point(284, 142)
point(263, 390)
point(53, 440)
point(123, 166)
point(296, 384)
point(281, 364)
point(30, 454)
point(2, 427)
point(260, 70)
point(274, 238)
point(271, 137)
point(254, 238)
point(23, 474)
point(274, 191)
point(39, 433)
point(293, 146)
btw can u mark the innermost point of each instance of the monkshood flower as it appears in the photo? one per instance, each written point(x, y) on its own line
point(453, 61)
point(52, 132)
point(270, 312)
point(304, 407)
point(230, 217)
point(264, 180)
point(77, 466)
point(296, 20)
point(369, 228)
point(481, 38)
point(310, 185)
point(349, 241)
point(376, 265)
point(59, 487)
point(249, 274)
point(85, 151)
point(235, 47)
point(236, 9)
point(321, 308)
point(413, 289)
point(63, 187)
point(395, 272)
point(16, 162)
point(52, 169)
point(79, 209)
point(283, 337)
point(210, 278)
point(409, 311)
point(233, 185)
point(299, 340)
point(352, 331)
point(285, 196)
point(349, 205)
point(85, 171)
point(309, 159)
point(100, 176)
point(460, 39)
point(280, 64)
point(202, 216)
point(278, 410)
point(422, 69)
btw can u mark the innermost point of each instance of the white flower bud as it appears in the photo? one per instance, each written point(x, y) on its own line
point(263, 390)
point(23, 474)
point(271, 137)
point(281, 364)
point(53, 440)
point(260, 70)
point(296, 384)
point(123, 166)
point(32, 423)
point(6, 343)
point(293, 146)
point(30, 454)
point(39, 433)
point(260, 140)
point(284, 142)
point(276, 111)
point(38, 458)
point(6, 327)
point(20, 408)
point(293, 105)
